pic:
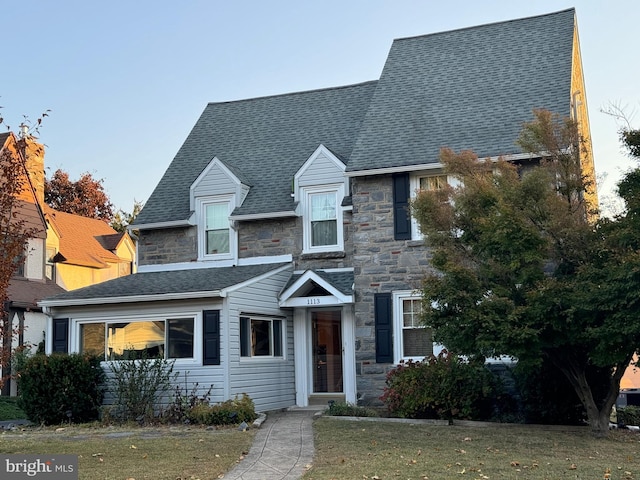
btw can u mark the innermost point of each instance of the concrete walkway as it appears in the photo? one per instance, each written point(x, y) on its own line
point(282, 448)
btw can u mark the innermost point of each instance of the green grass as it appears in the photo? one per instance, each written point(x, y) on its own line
point(107, 453)
point(377, 450)
point(9, 409)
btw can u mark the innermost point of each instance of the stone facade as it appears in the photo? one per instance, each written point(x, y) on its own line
point(381, 264)
point(169, 245)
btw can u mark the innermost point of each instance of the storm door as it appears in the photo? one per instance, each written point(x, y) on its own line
point(326, 351)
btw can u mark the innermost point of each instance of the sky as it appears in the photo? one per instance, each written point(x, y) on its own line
point(125, 81)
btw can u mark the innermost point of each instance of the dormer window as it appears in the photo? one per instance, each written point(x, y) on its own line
point(323, 219)
point(216, 238)
point(216, 228)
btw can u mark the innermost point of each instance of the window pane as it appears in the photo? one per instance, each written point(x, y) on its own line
point(217, 216)
point(217, 241)
point(324, 233)
point(260, 337)
point(435, 182)
point(180, 337)
point(323, 206)
point(128, 341)
point(277, 338)
point(417, 342)
point(411, 310)
point(92, 339)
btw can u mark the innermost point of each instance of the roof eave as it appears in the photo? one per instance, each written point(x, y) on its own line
point(130, 299)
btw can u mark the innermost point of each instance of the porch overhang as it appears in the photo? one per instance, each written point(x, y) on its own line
point(318, 288)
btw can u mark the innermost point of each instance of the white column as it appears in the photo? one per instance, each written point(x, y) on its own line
point(301, 356)
point(349, 354)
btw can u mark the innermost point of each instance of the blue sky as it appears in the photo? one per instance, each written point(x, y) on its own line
point(126, 80)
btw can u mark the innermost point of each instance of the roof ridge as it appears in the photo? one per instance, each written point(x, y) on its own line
point(473, 27)
point(289, 94)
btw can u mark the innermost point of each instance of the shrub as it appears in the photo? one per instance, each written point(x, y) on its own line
point(344, 409)
point(229, 412)
point(629, 415)
point(184, 401)
point(440, 387)
point(138, 387)
point(59, 388)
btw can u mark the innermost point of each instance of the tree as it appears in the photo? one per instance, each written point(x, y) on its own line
point(121, 220)
point(524, 269)
point(15, 232)
point(85, 197)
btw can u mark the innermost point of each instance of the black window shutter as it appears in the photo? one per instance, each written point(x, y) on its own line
point(211, 337)
point(61, 335)
point(245, 330)
point(401, 214)
point(384, 328)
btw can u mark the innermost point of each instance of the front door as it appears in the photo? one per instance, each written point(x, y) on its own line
point(326, 351)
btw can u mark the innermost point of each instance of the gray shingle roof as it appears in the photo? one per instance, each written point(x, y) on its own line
point(466, 89)
point(266, 140)
point(168, 282)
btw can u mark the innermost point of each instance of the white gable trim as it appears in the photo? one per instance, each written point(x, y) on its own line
point(290, 297)
point(320, 151)
point(240, 189)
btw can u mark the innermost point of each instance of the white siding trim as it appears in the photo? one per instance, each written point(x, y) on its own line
point(168, 267)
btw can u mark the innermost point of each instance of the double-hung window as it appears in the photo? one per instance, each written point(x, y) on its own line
point(130, 340)
point(216, 239)
point(323, 219)
point(261, 337)
point(423, 182)
point(412, 339)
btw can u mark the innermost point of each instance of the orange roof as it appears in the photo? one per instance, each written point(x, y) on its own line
point(84, 241)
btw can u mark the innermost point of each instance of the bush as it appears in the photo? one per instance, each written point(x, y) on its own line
point(61, 388)
point(184, 401)
point(440, 387)
point(229, 412)
point(138, 387)
point(344, 409)
point(629, 415)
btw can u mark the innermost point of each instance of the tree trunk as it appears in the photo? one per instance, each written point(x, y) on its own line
point(598, 418)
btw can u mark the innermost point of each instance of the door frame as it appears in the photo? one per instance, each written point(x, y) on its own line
point(303, 354)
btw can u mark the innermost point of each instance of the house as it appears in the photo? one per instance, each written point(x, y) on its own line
point(277, 256)
point(84, 251)
point(67, 251)
point(28, 284)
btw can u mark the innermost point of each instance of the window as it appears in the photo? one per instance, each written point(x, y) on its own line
point(323, 220)
point(170, 338)
point(427, 183)
point(260, 337)
point(50, 267)
point(412, 339)
point(216, 228)
point(217, 239)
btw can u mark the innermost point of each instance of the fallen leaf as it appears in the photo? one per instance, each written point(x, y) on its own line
point(133, 447)
point(573, 466)
point(515, 464)
point(467, 439)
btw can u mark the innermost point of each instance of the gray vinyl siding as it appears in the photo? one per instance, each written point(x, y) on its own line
point(216, 182)
point(321, 171)
point(270, 382)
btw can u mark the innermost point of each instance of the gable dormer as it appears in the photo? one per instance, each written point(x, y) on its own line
point(319, 188)
point(213, 196)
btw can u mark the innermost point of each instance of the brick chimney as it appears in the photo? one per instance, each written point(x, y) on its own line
point(33, 154)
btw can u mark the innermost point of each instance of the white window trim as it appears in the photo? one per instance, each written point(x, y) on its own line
point(201, 204)
point(74, 332)
point(414, 185)
point(338, 190)
point(398, 326)
point(283, 340)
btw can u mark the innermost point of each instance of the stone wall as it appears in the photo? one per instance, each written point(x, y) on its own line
point(381, 265)
point(168, 245)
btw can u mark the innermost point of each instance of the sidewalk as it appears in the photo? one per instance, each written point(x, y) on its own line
point(282, 449)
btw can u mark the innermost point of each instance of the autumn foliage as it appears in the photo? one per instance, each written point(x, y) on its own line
point(85, 197)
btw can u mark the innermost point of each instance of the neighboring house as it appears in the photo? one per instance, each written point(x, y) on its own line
point(29, 283)
point(84, 251)
point(68, 252)
point(277, 256)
